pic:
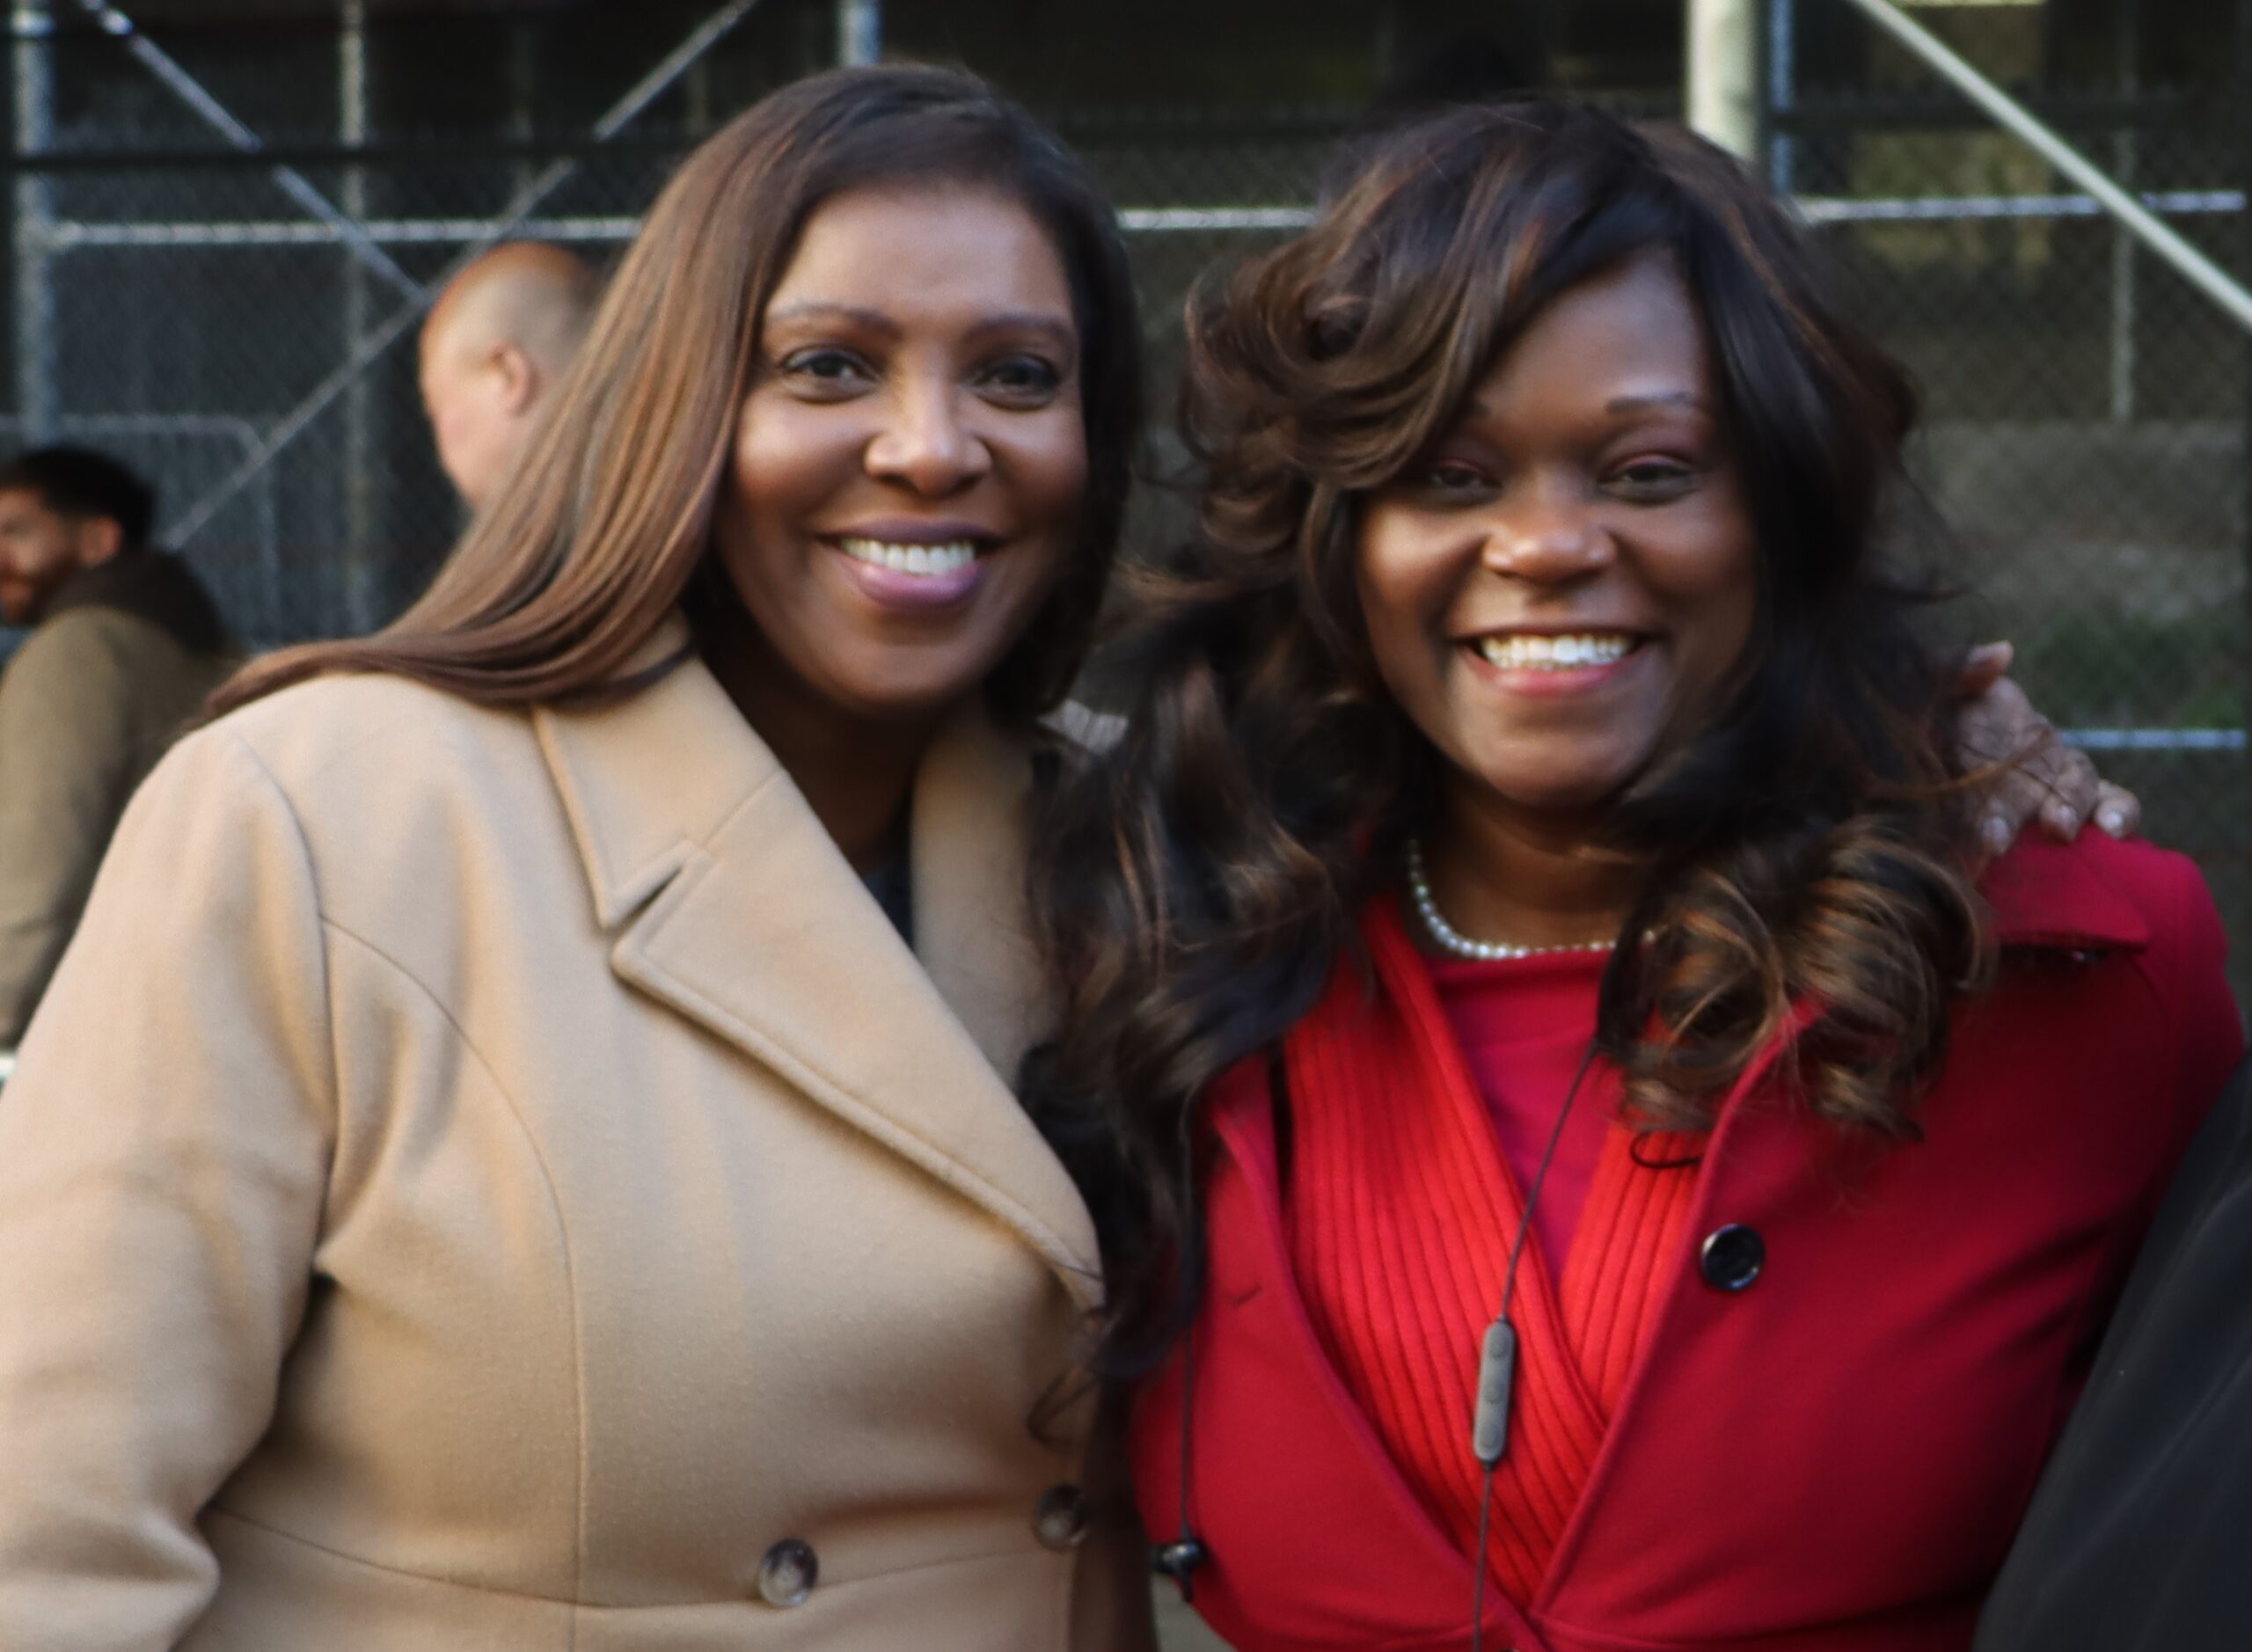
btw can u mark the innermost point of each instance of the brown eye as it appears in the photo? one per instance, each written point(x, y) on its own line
point(1654, 481)
point(825, 365)
point(1022, 378)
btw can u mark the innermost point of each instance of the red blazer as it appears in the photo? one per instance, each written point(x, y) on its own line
point(1831, 1459)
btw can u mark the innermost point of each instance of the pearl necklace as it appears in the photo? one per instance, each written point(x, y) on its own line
point(1419, 890)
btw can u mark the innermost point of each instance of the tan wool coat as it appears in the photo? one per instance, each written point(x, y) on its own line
point(488, 1181)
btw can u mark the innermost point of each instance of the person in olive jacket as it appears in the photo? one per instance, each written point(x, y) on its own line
point(126, 643)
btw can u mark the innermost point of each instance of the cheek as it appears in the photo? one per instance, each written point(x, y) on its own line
point(1403, 589)
point(786, 456)
point(1722, 596)
point(463, 428)
point(1051, 463)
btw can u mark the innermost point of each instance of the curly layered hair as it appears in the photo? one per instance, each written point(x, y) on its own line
point(1807, 847)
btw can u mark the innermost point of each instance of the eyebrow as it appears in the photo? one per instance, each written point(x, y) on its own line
point(1660, 398)
point(818, 310)
point(1064, 334)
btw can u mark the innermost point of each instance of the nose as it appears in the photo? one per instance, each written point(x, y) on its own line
point(1548, 536)
point(925, 443)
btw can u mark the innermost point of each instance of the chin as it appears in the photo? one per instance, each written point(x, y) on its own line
point(893, 680)
point(1554, 786)
point(1559, 800)
point(1559, 771)
point(904, 702)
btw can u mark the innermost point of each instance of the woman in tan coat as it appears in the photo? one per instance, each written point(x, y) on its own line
point(520, 1155)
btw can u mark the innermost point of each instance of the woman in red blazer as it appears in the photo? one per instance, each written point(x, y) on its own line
point(1599, 1164)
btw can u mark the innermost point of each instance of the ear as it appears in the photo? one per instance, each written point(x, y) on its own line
point(519, 379)
point(100, 538)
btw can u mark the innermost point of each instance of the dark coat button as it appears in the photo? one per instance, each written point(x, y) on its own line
point(1060, 1521)
point(787, 1573)
point(1732, 1257)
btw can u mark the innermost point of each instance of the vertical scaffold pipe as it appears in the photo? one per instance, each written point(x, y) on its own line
point(1723, 93)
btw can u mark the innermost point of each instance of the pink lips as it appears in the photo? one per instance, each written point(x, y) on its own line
point(889, 588)
point(1553, 682)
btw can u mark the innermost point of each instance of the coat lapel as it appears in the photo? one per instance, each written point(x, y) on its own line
point(731, 904)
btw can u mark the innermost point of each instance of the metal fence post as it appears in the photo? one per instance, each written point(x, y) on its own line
point(859, 30)
point(1723, 94)
point(360, 536)
point(1782, 94)
point(2241, 108)
point(2124, 158)
point(38, 398)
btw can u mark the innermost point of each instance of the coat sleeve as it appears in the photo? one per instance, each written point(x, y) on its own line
point(2209, 1038)
point(69, 752)
point(164, 1152)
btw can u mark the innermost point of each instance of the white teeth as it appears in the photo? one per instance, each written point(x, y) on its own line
point(1555, 653)
point(951, 557)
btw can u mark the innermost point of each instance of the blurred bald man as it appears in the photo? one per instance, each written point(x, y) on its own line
point(495, 343)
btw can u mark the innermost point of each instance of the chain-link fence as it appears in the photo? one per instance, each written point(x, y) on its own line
point(241, 325)
point(2085, 408)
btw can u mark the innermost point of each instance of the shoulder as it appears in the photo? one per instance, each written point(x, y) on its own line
point(79, 639)
point(2144, 916)
point(2097, 894)
point(371, 758)
point(97, 655)
point(75, 680)
point(364, 729)
point(409, 805)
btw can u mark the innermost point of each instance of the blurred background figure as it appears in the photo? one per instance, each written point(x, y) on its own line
point(125, 645)
point(497, 341)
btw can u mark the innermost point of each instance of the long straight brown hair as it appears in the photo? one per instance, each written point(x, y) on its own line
point(598, 531)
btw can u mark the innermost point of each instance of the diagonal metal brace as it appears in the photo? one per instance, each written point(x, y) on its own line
point(293, 183)
point(2200, 271)
point(300, 417)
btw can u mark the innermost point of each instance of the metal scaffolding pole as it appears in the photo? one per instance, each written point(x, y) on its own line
point(2200, 271)
point(1723, 73)
point(293, 183)
point(1782, 95)
point(38, 400)
point(2124, 158)
point(2239, 128)
point(859, 30)
point(360, 484)
point(294, 423)
point(64, 236)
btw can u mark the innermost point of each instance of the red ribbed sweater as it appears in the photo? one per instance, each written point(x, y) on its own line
point(1402, 1210)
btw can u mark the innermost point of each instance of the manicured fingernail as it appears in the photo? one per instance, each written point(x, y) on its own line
point(1995, 832)
point(2061, 820)
point(2112, 820)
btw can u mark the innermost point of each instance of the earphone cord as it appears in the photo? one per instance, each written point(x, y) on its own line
point(1187, 1404)
point(1479, 1563)
point(1186, 1580)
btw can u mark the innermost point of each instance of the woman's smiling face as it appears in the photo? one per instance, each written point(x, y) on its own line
point(909, 467)
point(1565, 586)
